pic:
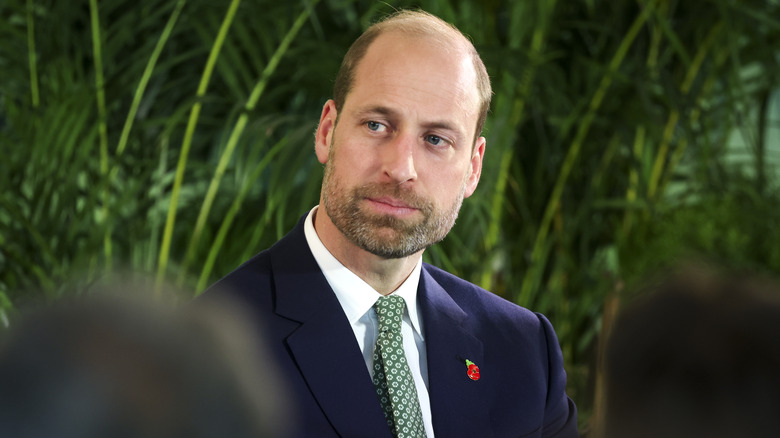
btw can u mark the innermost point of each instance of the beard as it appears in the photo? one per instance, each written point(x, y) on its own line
point(385, 235)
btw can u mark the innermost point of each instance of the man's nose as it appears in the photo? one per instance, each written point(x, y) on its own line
point(398, 158)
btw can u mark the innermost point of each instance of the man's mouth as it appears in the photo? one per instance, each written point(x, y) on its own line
point(393, 202)
point(391, 205)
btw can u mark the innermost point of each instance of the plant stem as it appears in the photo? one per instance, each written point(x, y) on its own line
point(677, 154)
point(633, 179)
point(674, 115)
point(235, 135)
point(532, 277)
point(231, 214)
point(102, 125)
point(189, 132)
point(32, 54)
point(518, 110)
point(147, 75)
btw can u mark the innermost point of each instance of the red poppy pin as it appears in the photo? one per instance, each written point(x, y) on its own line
point(472, 370)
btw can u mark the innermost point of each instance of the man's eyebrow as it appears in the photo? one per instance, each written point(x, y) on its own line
point(443, 125)
point(376, 110)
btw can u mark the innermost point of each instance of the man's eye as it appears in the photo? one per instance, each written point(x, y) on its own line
point(375, 126)
point(434, 140)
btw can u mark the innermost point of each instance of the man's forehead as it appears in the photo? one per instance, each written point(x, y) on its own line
point(425, 65)
point(450, 44)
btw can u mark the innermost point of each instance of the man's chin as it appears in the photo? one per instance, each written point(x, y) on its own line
point(391, 253)
point(387, 223)
point(389, 244)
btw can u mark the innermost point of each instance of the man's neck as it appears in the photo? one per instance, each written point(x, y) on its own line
point(382, 274)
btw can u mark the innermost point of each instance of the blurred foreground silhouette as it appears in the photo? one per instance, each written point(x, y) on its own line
point(697, 357)
point(109, 367)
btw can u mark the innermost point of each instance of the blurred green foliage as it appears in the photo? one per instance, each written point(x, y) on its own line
point(174, 138)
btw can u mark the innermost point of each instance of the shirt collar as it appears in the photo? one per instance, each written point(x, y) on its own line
point(355, 295)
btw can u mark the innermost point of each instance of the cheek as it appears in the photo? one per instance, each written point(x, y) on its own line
point(446, 185)
point(352, 165)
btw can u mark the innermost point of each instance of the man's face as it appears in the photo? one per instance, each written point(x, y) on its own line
point(403, 156)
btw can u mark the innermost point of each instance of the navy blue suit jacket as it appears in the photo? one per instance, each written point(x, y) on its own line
point(521, 390)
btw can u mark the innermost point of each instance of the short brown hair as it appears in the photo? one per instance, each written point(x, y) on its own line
point(417, 23)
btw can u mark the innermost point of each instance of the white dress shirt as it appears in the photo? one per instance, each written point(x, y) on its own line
point(357, 299)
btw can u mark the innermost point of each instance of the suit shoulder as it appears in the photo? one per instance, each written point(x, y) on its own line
point(257, 270)
point(481, 302)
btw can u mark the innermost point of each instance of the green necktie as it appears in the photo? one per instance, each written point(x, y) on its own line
point(392, 378)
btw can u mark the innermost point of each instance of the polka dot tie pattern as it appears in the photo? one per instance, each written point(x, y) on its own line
point(392, 378)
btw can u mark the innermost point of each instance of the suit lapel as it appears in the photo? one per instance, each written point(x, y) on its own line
point(456, 400)
point(324, 346)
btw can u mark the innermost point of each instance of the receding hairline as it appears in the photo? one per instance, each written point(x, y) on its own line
point(420, 24)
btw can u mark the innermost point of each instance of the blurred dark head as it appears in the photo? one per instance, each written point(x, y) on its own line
point(112, 368)
point(699, 356)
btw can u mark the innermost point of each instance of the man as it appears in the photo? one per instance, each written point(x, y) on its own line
point(401, 147)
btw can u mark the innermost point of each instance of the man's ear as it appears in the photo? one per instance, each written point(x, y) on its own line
point(324, 135)
point(475, 169)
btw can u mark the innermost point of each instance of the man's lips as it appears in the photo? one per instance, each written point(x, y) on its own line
point(391, 202)
point(391, 205)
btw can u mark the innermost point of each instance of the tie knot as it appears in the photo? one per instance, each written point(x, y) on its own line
point(390, 311)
